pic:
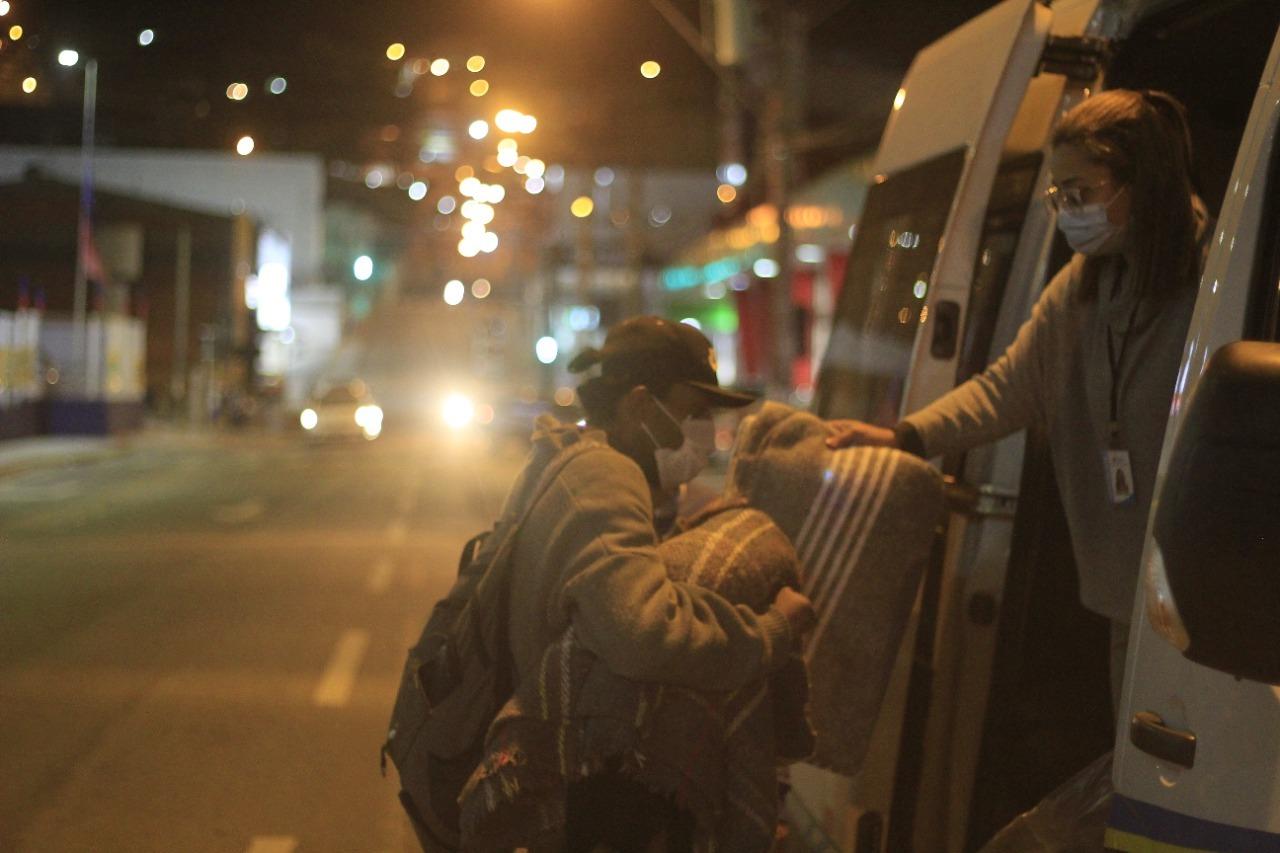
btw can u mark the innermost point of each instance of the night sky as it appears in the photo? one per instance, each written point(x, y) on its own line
point(572, 63)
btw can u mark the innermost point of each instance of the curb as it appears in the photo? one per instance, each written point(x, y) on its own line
point(21, 455)
point(40, 452)
point(46, 451)
point(57, 459)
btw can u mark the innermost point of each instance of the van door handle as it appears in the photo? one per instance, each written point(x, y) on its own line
point(985, 500)
point(1148, 733)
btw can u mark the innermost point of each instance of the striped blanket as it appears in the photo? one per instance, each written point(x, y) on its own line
point(862, 520)
point(716, 754)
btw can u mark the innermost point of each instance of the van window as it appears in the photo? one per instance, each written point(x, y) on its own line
point(886, 283)
point(1006, 212)
point(341, 395)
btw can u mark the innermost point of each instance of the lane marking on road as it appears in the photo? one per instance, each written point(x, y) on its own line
point(239, 513)
point(334, 689)
point(397, 532)
point(380, 577)
point(272, 844)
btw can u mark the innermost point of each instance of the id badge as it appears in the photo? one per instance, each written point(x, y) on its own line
point(1119, 476)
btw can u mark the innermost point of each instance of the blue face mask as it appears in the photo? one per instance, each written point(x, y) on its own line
point(1087, 227)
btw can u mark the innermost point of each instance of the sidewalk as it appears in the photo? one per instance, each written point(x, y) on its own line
point(20, 455)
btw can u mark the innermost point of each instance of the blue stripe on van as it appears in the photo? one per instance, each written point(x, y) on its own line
point(1135, 817)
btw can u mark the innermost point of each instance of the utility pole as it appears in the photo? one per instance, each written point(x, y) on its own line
point(585, 257)
point(635, 243)
point(761, 71)
point(784, 115)
point(181, 316)
point(79, 332)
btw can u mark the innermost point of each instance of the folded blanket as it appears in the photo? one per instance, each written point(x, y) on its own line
point(716, 754)
point(862, 520)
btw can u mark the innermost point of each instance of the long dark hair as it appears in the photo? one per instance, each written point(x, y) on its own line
point(1143, 139)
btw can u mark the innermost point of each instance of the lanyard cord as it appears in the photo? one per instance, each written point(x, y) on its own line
point(1115, 362)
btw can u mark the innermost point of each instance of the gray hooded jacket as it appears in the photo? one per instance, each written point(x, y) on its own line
point(587, 557)
point(1057, 375)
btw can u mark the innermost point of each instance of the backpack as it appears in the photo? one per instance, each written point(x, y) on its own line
point(458, 676)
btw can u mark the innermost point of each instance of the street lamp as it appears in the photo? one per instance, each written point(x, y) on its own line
point(69, 59)
point(362, 269)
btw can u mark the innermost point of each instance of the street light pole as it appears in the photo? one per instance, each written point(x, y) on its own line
point(693, 37)
point(79, 332)
point(783, 117)
point(777, 103)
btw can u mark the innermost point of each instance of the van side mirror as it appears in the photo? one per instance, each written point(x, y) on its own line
point(1218, 519)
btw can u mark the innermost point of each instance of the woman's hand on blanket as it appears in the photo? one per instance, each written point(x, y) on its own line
point(858, 434)
point(797, 609)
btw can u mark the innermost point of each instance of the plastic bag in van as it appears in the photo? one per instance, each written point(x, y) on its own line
point(1071, 819)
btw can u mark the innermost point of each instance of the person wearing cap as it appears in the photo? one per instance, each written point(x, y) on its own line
point(658, 355)
point(586, 557)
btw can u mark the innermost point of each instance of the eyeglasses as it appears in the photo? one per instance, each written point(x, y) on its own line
point(1069, 198)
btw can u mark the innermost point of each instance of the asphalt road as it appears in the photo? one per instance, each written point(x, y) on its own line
point(200, 644)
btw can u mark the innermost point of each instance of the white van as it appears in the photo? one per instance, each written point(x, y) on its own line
point(1001, 690)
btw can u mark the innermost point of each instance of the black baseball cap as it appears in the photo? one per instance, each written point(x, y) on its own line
point(642, 350)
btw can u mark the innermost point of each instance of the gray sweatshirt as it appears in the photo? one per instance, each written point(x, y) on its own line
point(1057, 375)
point(587, 557)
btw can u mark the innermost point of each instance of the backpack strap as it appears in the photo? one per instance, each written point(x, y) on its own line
point(488, 627)
point(469, 551)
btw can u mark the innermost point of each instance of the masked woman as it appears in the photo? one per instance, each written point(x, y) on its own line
point(1094, 367)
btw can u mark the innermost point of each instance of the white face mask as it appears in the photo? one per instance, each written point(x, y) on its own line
point(680, 465)
point(1087, 227)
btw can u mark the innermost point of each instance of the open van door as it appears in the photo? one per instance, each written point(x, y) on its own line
point(949, 254)
point(1198, 746)
point(907, 286)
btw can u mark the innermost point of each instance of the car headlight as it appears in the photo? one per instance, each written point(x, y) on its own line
point(309, 419)
point(369, 419)
point(458, 411)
